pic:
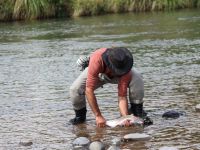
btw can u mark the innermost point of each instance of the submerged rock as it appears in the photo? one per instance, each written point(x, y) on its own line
point(116, 141)
point(172, 114)
point(137, 136)
point(168, 148)
point(26, 143)
point(113, 147)
point(81, 141)
point(96, 145)
point(197, 108)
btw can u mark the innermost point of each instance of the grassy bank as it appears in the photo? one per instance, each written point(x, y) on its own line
point(40, 9)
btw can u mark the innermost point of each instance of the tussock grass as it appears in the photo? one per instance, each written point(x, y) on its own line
point(31, 9)
point(6, 9)
point(37, 9)
point(95, 7)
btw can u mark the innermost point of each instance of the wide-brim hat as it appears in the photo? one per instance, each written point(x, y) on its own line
point(118, 59)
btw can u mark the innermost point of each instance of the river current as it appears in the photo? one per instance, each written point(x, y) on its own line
point(38, 65)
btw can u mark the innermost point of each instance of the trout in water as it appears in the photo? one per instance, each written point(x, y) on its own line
point(133, 120)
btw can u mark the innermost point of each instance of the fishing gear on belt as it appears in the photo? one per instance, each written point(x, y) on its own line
point(83, 62)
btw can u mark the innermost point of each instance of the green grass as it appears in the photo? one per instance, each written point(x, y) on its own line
point(95, 7)
point(6, 9)
point(32, 9)
point(39, 9)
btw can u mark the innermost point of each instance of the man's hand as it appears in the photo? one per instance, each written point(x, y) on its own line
point(127, 123)
point(100, 121)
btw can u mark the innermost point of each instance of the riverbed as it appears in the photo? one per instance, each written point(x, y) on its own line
point(38, 65)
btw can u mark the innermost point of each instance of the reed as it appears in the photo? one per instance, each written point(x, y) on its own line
point(94, 7)
point(171, 4)
point(6, 9)
point(32, 9)
point(37, 9)
point(88, 7)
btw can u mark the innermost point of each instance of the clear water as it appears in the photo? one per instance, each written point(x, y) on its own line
point(38, 65)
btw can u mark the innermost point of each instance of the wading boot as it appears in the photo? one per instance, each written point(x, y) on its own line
point(137, 110)
point(80, 116)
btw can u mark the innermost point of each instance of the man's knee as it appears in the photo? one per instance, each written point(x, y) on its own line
point(136, 97)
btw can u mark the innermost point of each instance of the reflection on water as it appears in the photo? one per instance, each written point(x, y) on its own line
point(38, 64)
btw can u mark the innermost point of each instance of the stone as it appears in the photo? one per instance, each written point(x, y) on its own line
point(81, 141)
point(171, 114)
point(197, 108)
point(116, 141)
point(26, 143)
point(137, 136)
point(113, 147)
point(168, 148)
point(96, 145)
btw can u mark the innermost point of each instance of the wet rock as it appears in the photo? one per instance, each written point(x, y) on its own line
point(172, 114)
point(116, 141)
point(137, 136)
point(96, 145)
point(26, 143)
point(168, 148)
point(113, 147)
point(197, 108)
point(80, 148)
point(81, 141)
point(115, 144)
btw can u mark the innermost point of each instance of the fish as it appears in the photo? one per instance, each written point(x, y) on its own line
point(122, 120)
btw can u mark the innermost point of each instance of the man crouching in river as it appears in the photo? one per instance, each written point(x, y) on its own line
point(107, 65)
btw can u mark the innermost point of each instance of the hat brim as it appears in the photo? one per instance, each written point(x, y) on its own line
point(112, 67)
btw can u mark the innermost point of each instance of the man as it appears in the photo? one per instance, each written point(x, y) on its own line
point(108, 65)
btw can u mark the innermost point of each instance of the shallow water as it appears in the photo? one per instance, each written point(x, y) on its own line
point(38, 64)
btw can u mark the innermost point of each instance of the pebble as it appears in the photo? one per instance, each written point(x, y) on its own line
point(198, 108)
point(81, 141)
point(168, 148)
point(26, 143)
point(96, 145)
point(137, 136)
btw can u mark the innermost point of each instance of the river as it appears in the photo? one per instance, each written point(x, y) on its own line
point(38, 65)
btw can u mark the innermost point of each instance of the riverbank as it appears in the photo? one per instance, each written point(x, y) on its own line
point(11, 10)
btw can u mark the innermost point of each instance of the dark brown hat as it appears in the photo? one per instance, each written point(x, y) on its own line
point(118, 59)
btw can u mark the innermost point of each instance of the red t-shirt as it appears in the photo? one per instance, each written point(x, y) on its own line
point(96, 66)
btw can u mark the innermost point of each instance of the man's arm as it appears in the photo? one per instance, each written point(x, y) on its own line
point(123, 106)
point(91, 98)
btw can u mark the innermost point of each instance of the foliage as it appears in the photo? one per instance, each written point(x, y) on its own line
point(88, 7)
point(61, 8)
point(32, 9)
point(94, 7)
point(37, 9)
point(6, 9)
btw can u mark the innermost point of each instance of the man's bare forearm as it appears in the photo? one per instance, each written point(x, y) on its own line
point(91, 98)
point(123, 106)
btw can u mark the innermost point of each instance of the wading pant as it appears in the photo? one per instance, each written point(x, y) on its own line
point(77, 89)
